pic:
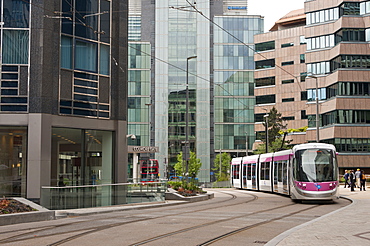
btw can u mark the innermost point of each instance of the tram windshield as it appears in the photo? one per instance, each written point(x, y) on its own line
point(315, 165)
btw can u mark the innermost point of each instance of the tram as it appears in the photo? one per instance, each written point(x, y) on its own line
point(149, 170)
point(306, 172)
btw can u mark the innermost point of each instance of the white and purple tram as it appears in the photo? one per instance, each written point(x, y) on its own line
point(306, 172)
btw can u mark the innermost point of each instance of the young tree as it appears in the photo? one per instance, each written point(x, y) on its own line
point(194, 165)
point(225, 166)
point(275, 128)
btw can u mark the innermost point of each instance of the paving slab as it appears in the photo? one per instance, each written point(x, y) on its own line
point(349, 225)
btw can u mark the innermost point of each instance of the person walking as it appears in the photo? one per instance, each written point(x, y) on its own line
point(363, 181)
point(352, 178)
point(346, 177)
point(358, 177)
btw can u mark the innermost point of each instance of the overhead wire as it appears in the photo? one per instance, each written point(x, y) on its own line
point(154, 57)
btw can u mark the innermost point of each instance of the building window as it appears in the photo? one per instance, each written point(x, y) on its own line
point(311, 94)
point(13, 161)
point(287, 81)
point(303, 76)
point(265, 46)
point(303, 95)
point(86, 56)
point(15, 47)
point(302, 58)
point(349, 9)
point(287, 45)
point(288, 118)
point(265, 64)
point(287, 63)
point(350, 35)
point(83, 153)
point(265, 99)
point(349, 144)
point(346, 117)
point(302, 40)
point(265, 81)
point(304, 115)
point(291, 99)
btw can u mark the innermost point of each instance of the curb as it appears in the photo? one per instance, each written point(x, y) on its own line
point(276, 240)
point(34, 216)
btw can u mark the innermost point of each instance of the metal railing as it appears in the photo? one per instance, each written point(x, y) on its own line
point(87, 196)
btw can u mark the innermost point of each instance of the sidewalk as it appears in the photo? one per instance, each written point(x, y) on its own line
point(347, 226)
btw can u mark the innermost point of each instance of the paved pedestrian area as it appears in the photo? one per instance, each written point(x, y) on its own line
point(347, 226)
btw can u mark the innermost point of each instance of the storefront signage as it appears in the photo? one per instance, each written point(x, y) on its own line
point(142, 149)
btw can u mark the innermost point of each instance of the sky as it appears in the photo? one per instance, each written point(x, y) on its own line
point(275, 10)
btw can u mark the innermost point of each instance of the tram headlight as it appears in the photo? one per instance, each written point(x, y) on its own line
point(332, 186)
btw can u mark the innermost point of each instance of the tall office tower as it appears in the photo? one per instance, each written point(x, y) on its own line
point(217, 70)
point(337, 86)
point(63, 105)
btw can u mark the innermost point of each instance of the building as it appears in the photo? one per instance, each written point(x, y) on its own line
point(336, 60)
point(63, 109)
point(188, 49)
point(280, 73)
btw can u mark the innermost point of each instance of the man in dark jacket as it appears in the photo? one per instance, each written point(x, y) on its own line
point(352, 177)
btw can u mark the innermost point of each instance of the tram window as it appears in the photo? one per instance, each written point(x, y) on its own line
point(280, 172)
point(249, 173)
point(265, 170)
point(262, 175)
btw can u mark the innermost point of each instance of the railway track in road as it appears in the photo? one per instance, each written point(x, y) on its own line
point(216, 222)
point(225, 216)
point(56, 230)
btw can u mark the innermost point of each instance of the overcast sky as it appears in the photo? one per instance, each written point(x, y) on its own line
point(273, 10)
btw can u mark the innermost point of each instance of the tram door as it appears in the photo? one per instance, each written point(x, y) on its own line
point(277, 174)
point(265, 180)
point(285, 176)
point(254, 175)
point(244, 171)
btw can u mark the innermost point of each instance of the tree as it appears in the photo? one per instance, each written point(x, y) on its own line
point(194, 165)
point(275, 128)
point(225, 166)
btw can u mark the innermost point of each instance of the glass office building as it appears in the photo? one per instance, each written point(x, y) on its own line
point(64, 105)
point(234, 82)
point(183, 57)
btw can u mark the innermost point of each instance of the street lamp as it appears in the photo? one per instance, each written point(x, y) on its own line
point(317, 107)
point(187, 154)
point(266, 116)
point(246, 143)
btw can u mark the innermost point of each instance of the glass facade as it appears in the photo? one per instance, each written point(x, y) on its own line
point(139, 105)
point(234, 81)
point(14, 55)
point(81, 157)
point(13, 161)
point(85, 49)
point(350, 145)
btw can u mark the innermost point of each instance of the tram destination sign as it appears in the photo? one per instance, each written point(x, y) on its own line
point(143, 149)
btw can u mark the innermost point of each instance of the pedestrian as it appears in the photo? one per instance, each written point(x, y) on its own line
point(352, 178)
point(358, 177)
point(363, 181)
point(346, 176)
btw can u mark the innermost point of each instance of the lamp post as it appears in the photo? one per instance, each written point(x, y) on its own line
point(266, 116)
point(317, 108)
point(187, 152)
point(246, 143)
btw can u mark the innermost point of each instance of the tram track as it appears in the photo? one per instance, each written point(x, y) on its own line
point(131, 219)
point(206, 224)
